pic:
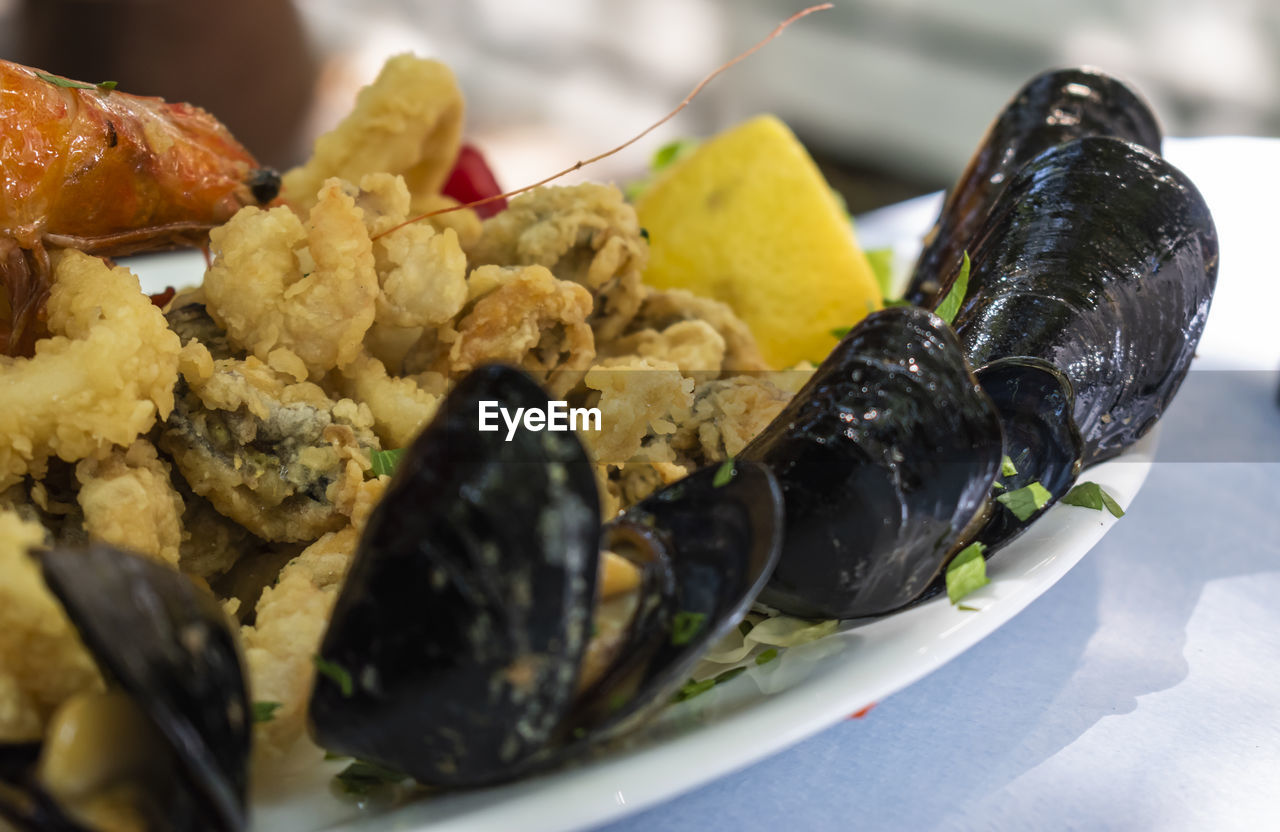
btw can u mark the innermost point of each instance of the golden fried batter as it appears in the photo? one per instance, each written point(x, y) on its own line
point(42, 661)
point(587, 234)
point(400, 407)
point(101, 380)
point(128, 501)
point(407, 122)
point(660, 309)
point(522, 316)
point(310, 290)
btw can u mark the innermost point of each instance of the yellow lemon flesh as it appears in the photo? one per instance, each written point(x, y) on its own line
point(748, 219)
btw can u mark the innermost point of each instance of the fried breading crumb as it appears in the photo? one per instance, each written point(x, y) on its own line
point(129, 501)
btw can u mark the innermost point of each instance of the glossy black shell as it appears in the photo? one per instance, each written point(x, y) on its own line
point(169, 645)
point(719, 533)
point(885, 458)
point(1035, 403)
point(464, 618)
point(1052, 108)
point(1101, 258)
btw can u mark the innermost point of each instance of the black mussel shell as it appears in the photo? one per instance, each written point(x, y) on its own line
point(719, 533)
point(1040, 437)
point(1101, 258)
point(169, 646)
point(464, 618)
point(885, 458)
point(1054, 107)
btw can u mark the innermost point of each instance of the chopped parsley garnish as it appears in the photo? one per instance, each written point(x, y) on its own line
point(950, 306)
point(105, 86)
point(967, 608)
point(767, 656)
point(1007, 468)
point(724, 474)
point(694, 688)
point(644, 232)
point(1025, 501)
point(966, 572)
point(265, 711)
point(337, 673)
point(385, 462)
point(685, 626)
point(745, 626)
point(362, 777)
point(1091, 495)
point(881, 262)
point(841, 331)
point(670, 153)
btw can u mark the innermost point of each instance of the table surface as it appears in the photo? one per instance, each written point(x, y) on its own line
point(1143, 690)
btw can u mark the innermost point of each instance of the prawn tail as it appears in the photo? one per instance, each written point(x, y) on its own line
point(25, 276)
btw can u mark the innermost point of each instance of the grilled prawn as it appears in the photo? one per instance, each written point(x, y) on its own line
point(86, 167)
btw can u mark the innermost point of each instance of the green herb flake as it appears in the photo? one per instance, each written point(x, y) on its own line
point(729, 675)
point(337, 673)
point(1091, 495)
point(685, 626)
point(745, 626)
point(881, 262)
point(265, 711)
point(1025, 501)
point(362, 777)
point(967, 608)
point(67, 83)
point(693, 688)
point(841, 331)
point(384, 462)
point(1007, 468)
point(998, 486)
point(671, 152)
point(723, 474)
point(644, 232)
point(107, 86)
point(966, 572)
point(889, 303)
point(330, 756)
point(950, 306)
point(767, 656)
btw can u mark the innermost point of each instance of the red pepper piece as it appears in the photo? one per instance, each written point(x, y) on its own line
point(471, 180)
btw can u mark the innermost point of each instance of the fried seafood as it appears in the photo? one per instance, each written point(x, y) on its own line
point(129, 501)
point(523, 316)
point(42, 662)
point(279, 457)
point(307, 290)
point(400, 405)
point(661, 308)
point(407, 122)
point(587, 234)
point(101, 380)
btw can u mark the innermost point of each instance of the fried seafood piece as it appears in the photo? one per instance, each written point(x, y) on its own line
point(587, 234)
point(191, 321)
point(407, 122)
point(661, 309)
point(290, 619)
point(102, 379)
point(42, 662)
point(399, 404)
point(211, 543)
point(129, 501)
point(277, 456)
point(277, 285)
point(422, 272)
point(523, 316)
point(726, 414)
point(693, 346)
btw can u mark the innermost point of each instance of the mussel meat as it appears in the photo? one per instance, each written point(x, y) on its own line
point(1052, 108)
point(167, 745)
point(886, 459)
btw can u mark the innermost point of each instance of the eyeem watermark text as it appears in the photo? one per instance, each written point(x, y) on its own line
point(558, 416)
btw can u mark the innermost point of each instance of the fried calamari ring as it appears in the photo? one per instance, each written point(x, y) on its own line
point(101, 380)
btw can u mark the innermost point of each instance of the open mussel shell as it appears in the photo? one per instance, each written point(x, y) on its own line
point(718, 533)
point(1101, 258)
point(886, 458)
point(168, 645)
point(1054, 107)
point(454, 647)
point(1035, 403)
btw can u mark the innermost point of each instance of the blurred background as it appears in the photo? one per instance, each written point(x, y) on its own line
point(890, 95)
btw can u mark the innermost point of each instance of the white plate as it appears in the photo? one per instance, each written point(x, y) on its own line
point(758, 713)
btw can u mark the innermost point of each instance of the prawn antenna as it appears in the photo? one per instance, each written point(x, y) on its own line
point(581, 164)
